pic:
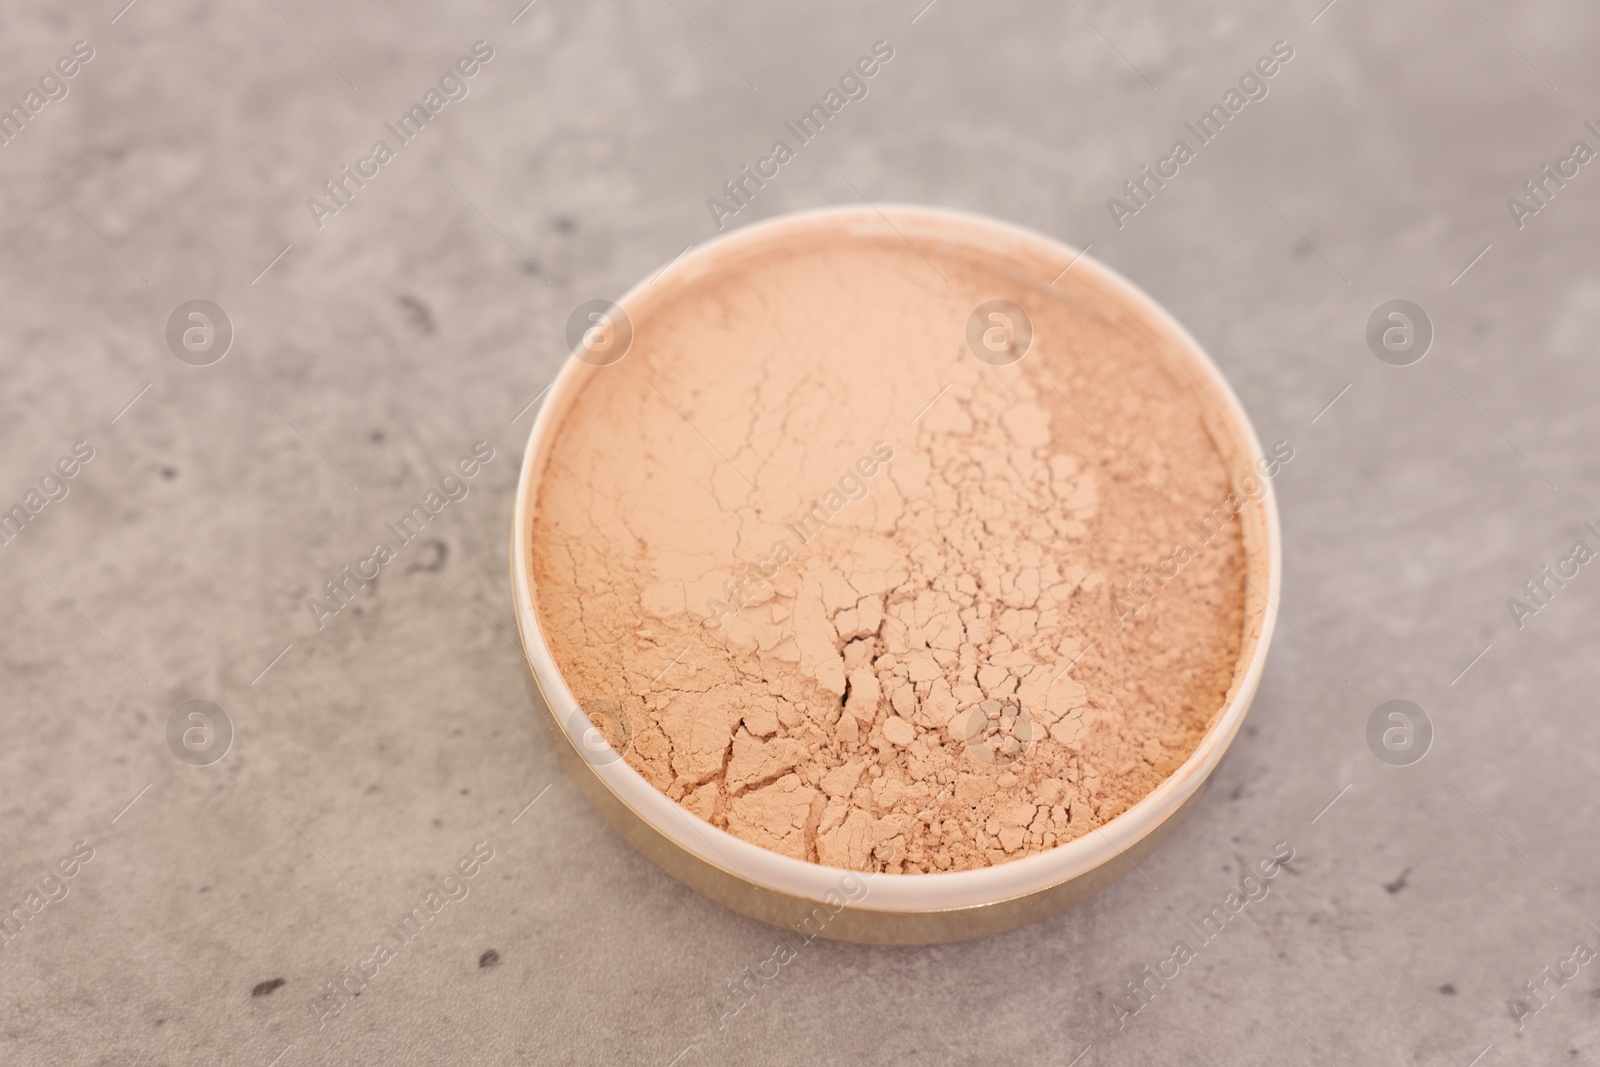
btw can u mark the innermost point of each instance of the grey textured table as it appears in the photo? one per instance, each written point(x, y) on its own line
point(371, 754)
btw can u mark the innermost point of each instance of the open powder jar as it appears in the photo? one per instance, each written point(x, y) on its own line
point(882, 577)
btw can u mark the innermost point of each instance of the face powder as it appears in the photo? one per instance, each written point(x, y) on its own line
point(888, 557)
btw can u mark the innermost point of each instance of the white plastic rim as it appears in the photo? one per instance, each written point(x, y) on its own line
point(896, 892)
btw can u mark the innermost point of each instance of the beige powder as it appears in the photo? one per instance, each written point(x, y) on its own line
point(871, 642)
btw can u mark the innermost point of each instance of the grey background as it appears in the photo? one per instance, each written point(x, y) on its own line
point(378, 750)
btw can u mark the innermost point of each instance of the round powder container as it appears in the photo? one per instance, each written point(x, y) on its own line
point(712, 548)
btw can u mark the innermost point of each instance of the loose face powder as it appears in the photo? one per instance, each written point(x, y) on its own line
point(843, 588)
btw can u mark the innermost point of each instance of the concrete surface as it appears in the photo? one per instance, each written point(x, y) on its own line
point(378, 750)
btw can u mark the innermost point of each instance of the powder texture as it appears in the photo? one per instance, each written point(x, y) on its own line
point(860, 596)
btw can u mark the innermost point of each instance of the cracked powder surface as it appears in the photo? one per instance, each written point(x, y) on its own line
point(852, 588)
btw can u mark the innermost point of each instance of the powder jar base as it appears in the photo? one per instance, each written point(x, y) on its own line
point(904, 909)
